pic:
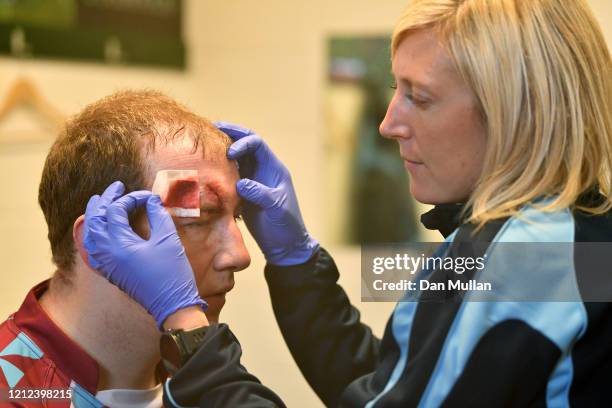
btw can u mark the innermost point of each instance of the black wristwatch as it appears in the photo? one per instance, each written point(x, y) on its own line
point(177, 346)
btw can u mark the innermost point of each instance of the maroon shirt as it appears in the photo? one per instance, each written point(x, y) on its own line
point(36, 354)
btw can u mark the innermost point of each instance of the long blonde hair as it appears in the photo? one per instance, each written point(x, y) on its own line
point(542, 75)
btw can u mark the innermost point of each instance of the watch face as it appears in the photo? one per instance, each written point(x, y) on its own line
point(170, 353)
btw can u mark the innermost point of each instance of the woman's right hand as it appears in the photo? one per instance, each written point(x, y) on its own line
point(271, 213)
point(155, 272)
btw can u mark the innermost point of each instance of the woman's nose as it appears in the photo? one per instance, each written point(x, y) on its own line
point(394, 124)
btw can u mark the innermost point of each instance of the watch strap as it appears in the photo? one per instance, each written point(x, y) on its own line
point(191, 340)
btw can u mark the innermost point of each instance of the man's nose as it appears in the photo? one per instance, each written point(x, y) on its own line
point(232, 254)
point(394, 125)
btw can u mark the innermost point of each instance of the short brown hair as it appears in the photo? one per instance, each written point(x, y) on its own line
point(109, 141)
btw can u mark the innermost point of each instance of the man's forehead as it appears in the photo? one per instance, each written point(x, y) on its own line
point(181, 155)
point(217, 176)
point(179, 152)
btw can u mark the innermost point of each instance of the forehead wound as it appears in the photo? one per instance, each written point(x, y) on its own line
point(183, 193)
point(179, 191)
point(213, 193)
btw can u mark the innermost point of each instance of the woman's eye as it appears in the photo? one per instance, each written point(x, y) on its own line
point(415, 100)
point(409, 94)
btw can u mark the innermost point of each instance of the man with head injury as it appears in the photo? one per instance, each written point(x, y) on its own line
point(77, 331)
point(501, 111)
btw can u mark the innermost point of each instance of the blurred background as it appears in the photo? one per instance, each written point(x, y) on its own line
point(311, 77)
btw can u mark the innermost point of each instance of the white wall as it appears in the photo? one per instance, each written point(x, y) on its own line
point(260, 63)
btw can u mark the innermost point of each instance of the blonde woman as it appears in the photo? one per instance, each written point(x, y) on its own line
point(502, 116)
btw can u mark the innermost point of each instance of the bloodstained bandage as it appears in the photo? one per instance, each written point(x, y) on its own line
point(183, 193)
point(179, 191)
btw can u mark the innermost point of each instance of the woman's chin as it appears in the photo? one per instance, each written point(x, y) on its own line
point(423, 195)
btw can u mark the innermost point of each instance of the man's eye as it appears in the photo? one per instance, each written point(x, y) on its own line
point(196, 224)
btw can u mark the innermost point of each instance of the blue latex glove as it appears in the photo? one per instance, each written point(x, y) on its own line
point(154, 272)
point(271, 214)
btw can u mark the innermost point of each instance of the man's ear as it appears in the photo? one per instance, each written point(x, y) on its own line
point(77, 236)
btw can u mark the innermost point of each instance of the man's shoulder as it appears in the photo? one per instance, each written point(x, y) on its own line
point(25, 369)
point(23, 363)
